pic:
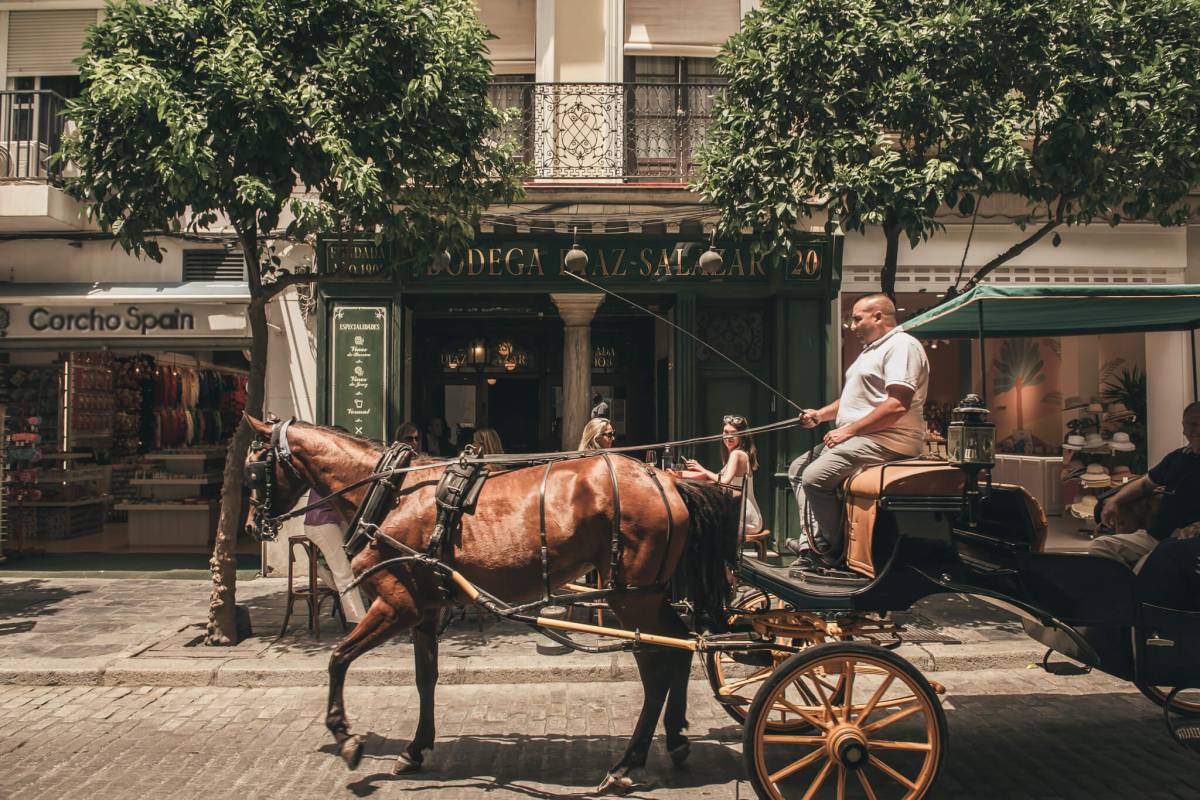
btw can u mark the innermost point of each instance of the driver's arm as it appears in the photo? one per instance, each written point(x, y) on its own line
point(1134, 490)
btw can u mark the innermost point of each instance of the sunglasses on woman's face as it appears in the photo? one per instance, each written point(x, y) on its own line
point(411, 439)
point(734, 419)
point(606, 435)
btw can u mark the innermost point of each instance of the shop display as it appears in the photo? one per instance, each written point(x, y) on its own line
point(177, 504)
point(1099, 452)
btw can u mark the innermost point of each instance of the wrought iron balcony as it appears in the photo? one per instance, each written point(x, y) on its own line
point(612, 132)
point(31, 128)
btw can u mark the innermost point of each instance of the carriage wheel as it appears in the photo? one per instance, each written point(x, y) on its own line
point(876, 730)
point(1185, 704)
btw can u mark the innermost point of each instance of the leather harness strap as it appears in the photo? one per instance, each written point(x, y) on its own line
point(542, 529)
point(616, 533)
point(662, 567)
point(379, 497)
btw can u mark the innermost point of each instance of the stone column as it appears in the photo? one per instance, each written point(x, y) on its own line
point(576, 311)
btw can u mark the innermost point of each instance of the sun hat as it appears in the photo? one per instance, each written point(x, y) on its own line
point(1118, 411)
point(1084, 507)
point(1074, 442)
point(1094, 441)
point(1073, 402)
point(1121, 474)
point(1120, 441)
point(1095, 408)
point(1096, 477)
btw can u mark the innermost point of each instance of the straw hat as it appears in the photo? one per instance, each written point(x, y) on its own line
point(1073, 402)
point(1095, 408)
point(1094, 441)
point(1118, 411)
point(1074, 442)
point(1120, 441)
point(1084, 507)
point(1121, 474)
point(1096, 477)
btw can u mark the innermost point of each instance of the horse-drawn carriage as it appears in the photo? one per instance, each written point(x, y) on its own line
point(828, 710)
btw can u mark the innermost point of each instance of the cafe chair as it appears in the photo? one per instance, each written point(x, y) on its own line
point(314, 592)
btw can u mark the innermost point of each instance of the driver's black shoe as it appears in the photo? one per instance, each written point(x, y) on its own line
point(793, 546)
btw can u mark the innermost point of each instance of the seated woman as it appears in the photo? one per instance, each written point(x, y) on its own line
point(741, 461)
point(487, 442)
point(598, 434)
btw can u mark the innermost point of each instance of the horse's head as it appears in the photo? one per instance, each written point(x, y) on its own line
point(274, 482)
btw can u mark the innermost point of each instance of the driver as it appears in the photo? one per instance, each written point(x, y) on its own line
point(878, 418)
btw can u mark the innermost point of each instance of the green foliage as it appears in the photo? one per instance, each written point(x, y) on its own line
point(1018, 365)
point(305, 115)
point(891, 110)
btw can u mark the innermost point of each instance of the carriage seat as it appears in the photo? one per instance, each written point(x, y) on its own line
point(901, 486)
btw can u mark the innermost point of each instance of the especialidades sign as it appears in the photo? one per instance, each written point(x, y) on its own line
point(124, 321)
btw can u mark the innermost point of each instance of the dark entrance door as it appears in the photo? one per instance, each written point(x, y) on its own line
point(513, 409)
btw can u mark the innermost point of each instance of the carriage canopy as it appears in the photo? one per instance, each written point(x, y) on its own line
point(1004, 311)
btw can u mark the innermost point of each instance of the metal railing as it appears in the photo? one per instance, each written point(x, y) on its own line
point(633, 132)
point(31, 128)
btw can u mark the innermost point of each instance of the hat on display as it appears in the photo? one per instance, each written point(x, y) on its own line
point(1074, 442)
point(1096, 477)
point(1084, 507)
point(1121, 474)
point(1118, 411)
point(1120, 441)
point(1073, 402)
point(1094, 441)
point(1095, 408)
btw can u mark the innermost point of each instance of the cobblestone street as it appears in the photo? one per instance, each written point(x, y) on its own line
point(1014, 734)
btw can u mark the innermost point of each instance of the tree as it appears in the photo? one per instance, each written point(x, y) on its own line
point(285, 118)
point(886, 112)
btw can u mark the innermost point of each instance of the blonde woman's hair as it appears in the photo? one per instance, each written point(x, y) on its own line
point(487, 442)
point(594, 427)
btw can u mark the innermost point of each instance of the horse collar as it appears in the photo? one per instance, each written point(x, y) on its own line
point(279, 440)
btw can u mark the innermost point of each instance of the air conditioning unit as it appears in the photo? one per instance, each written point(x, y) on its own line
point(23, 158)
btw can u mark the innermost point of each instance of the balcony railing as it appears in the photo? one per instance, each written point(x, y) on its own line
point(31, 128)
point(616, 132)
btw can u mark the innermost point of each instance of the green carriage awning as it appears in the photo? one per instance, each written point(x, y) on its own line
point(1060, 311)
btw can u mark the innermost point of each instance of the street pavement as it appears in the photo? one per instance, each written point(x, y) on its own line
point(1013, 734)
point(69, 631)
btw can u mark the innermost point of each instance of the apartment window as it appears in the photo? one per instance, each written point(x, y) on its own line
point(509, 92)
point(670, 107)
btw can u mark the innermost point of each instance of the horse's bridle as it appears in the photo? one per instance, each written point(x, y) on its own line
point(259, 476)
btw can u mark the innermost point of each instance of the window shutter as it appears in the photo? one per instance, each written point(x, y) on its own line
point(46, 42)
point(514, 21)
point(213, 265)
point(679, 27)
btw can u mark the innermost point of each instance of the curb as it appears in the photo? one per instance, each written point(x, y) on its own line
point(387, 671)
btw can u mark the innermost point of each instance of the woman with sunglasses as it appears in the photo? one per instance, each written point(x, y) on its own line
point(410, 435)
point(741, 461)
point(597, 435)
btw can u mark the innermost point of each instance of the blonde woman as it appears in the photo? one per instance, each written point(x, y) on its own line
point(487, 442)
point(598, 434)
point(741, 461)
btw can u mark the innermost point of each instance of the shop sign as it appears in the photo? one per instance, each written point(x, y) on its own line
point(124, 321)
point(353, 258)
point(612, 259)
point(358, 369)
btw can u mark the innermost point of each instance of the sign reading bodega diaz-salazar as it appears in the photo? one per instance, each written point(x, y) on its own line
point(620, 259)
point(358, 369)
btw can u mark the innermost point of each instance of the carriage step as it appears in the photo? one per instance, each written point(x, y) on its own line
point(1064, 668)
point(553, 612)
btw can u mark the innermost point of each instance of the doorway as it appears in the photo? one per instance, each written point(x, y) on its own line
point(513, 409)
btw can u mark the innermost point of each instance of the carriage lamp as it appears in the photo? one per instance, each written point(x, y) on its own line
point(970, 438)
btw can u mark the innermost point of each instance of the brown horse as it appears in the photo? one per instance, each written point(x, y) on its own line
point(498, 549)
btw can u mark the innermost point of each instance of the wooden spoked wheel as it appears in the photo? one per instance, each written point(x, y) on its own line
point(735, 676)
point(1185, 704)
point(876, 729)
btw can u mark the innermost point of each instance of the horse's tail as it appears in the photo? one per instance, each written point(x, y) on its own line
point(711, 545)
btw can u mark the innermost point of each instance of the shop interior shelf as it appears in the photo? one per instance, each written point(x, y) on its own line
point(86, 501)
point(165, 506)
point(204, 480)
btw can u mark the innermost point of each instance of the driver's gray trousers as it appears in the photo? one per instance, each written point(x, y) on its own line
point(816, 478)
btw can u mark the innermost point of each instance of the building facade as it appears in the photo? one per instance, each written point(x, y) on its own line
point(610, 100)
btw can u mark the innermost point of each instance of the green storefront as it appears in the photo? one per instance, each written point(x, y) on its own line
point(480, 341)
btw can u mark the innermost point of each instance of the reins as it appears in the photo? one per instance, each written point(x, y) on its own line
point(530, 459)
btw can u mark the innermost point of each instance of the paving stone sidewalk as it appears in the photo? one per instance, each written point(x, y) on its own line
point(146, 632)
point(1014, 735)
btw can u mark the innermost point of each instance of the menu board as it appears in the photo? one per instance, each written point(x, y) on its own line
point(358, 369)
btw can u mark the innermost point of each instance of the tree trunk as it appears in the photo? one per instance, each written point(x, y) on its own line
point(222, 616)
point(1020, 390)
point(887, 275)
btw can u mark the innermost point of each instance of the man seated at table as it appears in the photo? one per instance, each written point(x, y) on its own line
point(878, 418)
point(1177, 479)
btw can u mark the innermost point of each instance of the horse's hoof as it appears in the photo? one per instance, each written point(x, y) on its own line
point(679, 753)
point(404, 764)
point(620, 785)
point(352, 751)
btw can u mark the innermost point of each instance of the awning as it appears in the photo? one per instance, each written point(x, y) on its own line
point(199, 314)
point(1002, 311)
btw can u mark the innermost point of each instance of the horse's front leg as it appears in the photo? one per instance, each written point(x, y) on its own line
point(425, 651)
point(378, 623)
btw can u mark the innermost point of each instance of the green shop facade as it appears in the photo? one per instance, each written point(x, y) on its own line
point(492, 339)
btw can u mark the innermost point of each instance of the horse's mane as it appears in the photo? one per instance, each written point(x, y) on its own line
point(378, 447)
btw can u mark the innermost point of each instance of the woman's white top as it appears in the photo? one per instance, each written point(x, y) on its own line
point(751, 515)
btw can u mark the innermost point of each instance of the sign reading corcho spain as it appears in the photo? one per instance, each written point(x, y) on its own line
point(124, 320)
point(358, 366)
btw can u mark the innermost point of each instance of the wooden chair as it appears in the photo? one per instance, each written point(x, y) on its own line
point(314, 592)
point(761, 542)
